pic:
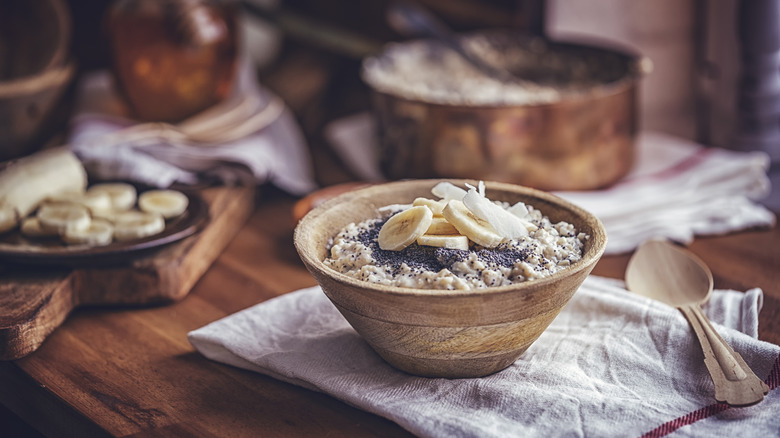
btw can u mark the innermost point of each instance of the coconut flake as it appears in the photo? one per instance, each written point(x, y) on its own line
point(480, 188)
point(505, 223)
point(392, 208)
point(519, 210)
point(448, 191)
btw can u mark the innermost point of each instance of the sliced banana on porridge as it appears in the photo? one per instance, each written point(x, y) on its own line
point(404, 228)
point(452, 241)
point(441, 226)
point(476, 229)
point(168, 203)
point(435, 206)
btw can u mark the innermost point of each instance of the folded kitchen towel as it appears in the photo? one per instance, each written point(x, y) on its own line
point(273, 150)
point(611, 364)
point(677, 189)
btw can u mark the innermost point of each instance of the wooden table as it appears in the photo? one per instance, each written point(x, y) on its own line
point(132, 372)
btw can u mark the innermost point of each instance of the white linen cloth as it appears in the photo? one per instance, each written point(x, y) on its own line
point(276, 153)
point(677, 189)
point(611, 364)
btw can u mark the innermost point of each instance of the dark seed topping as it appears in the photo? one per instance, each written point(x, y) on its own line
point(431, 258)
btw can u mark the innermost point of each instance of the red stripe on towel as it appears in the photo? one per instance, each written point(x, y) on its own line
point(772, 380)
point(685, 164)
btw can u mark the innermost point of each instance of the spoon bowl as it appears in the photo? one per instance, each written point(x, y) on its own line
point(674, 276)
point(669, 274)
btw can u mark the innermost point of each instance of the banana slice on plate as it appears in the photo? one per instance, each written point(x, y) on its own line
point(134, 224)
point(99, 233)
point(404, 228)
point(8, 218)
point(469, 225)
point(31, 227)
point(121, 195)
point(93, 201)
point(168, 203)
point(455, 241)
point(60, 216)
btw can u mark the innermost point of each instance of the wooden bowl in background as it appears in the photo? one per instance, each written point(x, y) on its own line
point(35, 69)
point(441, 333)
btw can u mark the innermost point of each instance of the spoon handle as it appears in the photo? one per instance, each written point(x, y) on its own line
point(414, 20)
point(735, 383)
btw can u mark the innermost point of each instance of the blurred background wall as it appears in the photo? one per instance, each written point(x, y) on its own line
point(693, 44)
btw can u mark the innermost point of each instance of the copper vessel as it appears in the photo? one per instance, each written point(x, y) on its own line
point(584, 140)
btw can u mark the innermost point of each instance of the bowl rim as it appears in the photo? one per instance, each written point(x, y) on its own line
point(60, 66)
point(588, 259)
point(49, 78)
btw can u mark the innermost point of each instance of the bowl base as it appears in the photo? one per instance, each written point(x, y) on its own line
point(449, 368)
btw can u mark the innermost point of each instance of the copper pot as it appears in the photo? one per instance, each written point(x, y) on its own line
point(584, 140)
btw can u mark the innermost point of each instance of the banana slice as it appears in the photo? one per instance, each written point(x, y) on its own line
point(439, 226)
point(58, 217)
point(404, 228)
point(99, 233)
point(136, 224)
point(31, 227)
point(168, 203)
point(435, 206)
point(93, 201)
point(121, 195)
point(455, 241)
point(8, 218)
point(476, 229)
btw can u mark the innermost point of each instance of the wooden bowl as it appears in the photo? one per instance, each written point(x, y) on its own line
point(440, 333)
point(35, 69)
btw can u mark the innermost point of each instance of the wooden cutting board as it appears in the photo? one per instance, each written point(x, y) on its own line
point(35, 300)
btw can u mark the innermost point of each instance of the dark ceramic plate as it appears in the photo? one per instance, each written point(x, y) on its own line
point(16, 248)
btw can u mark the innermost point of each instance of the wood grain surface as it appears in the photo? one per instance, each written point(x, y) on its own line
point(131, 371)
point(35, 300)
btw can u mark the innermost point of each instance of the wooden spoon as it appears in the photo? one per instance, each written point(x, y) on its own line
point(411, 19)
point(667, 273)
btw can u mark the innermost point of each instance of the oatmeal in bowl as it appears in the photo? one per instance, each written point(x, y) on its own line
point(455, 239)
point(449, 278)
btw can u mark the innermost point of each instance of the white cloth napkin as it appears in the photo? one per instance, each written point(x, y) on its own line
point(276, 154)
point(677, 189)
point(611, 364)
